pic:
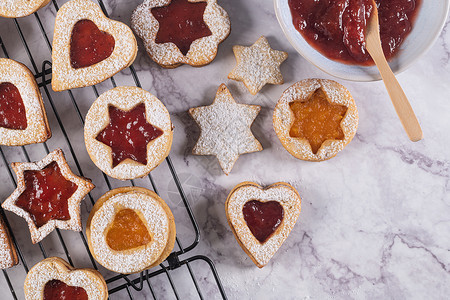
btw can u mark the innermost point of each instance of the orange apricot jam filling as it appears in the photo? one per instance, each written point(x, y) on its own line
point(127, 231)
point(317, 120)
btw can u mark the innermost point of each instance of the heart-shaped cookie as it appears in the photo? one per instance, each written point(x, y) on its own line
point(88, 48)
point(54, 278)
point(20, 8)
point(23, 119)
point(261, 218)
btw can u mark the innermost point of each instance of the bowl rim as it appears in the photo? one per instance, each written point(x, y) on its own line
point(399, 70)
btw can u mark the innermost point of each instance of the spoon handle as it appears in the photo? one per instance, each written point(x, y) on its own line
point(397, 95)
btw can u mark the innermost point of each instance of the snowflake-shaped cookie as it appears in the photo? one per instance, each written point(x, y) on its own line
point(225, 129)
point(257, 65)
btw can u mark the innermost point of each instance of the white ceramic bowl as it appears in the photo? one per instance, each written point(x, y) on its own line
point(428, 25)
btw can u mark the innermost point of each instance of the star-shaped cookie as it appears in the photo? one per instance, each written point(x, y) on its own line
point(48, 195)
point(225, 129)
point(257, 65)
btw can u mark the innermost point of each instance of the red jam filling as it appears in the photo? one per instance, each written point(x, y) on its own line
point(336, 28)
point(58, 290)
point(262, 218)
point(128, 134)
point(181, 22)
point(89, 45)
point(12, 110)
point(46, 194)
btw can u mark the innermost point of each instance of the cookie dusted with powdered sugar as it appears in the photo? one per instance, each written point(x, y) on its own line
point(225, 129)
point(261, 218)
point(88, 48)
point(178, 32)
point(128, 132)
point(48, 195)
point(315, 119)
point(23, 119)
point(130, 229)
point(20, 8)
point(257, 65)
point(8, 254)
point(54, 278)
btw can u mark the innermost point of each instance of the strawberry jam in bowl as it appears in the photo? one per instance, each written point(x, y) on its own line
point(331, 33)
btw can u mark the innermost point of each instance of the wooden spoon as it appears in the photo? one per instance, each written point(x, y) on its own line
point(398, 97)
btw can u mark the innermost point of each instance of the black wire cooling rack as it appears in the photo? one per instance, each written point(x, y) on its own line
point(132, 284)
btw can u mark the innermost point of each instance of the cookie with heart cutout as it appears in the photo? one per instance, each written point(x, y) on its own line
point(261, 218)
point(88, 48)
point(23, 119)
point(48, 195)
point(177, 32)
point(54, 278)
point(128, 132)
point(20, 8)
point(8, 253)
point(130, 229)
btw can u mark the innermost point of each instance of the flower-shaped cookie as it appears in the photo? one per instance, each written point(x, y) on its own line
point(20, 8)
point(178, 32)
point(257, 65)
point(225, 129)
point(54, 278)
point(262, 218)
point(23, 119)
point(48, 195)
point(88, 48)
point(8, 254)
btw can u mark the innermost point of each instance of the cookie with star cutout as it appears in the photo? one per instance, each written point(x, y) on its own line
point(257, 65)
point(48, 195)
point(315, 119)
point(177, 32)
point(127, 132)
point(225, 129)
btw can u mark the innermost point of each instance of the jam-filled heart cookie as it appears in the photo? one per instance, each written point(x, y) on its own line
point(262, 218)
point(8, 254)
point(20, 8)
point(257, 65)
point(315, 119)
point(178, 32)
point(48, 195)
point(23, 119)
point(130, 229)
point(88, 48)
point(54, 278)
point(128, 132)
point(225, 129)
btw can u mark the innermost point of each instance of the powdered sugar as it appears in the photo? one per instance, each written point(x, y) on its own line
point(37, 130)
point(281, 192)
point(8, 255)
point(97, 118)
point(55, 268)
point(63, 75)
point(257, 65)
point(201, 52)
point(225, 129)
point(84, 187)
point(20, 8)
point(283, 117)
point(137, 259)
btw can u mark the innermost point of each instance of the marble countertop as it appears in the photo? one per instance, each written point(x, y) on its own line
point(375, 219)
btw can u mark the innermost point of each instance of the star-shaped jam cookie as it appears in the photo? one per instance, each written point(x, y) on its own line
point(48, 195)
point(181, 22)
point(128, 134)
point(257, 65)
point(225, 129)
point(317, 120)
